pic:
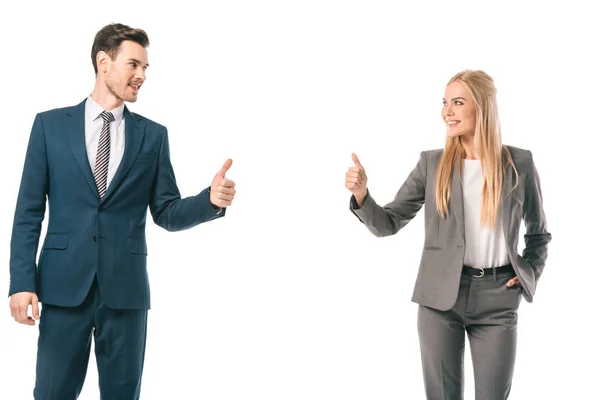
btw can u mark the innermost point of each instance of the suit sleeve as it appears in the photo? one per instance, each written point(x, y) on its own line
point(537, 236)
point(29, 213)
point(389, 219)
point(168, 209)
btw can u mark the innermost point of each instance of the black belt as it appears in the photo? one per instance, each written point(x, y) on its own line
point(479, 272)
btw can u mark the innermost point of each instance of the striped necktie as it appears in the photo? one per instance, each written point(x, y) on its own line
point(103, 154)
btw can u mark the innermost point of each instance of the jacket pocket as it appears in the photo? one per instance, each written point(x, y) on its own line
point(137, 246)
point(56, 242)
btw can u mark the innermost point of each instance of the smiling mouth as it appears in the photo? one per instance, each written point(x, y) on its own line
point(135, 86)
point(452, 124)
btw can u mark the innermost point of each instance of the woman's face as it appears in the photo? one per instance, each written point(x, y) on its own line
point(459, 110)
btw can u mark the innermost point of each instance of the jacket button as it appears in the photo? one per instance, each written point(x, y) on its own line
point(94, 237)
point(100, 208)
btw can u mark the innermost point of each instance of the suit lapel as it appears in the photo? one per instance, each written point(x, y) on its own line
point(134, 136)
point(457, 202)
point(75, 130)
point(506, 198)
point(456, 199)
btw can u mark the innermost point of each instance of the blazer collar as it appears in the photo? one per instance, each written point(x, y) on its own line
point(75, 131)
point(457, 200)
point(134, 136)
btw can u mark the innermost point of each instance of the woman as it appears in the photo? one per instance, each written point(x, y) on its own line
point(476, 191)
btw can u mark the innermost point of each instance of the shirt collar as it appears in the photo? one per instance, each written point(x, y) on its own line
point(93, 110)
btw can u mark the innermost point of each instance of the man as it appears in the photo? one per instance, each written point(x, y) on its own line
point(100, 167)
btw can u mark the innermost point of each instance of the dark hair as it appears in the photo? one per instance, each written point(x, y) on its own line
point(109, 39)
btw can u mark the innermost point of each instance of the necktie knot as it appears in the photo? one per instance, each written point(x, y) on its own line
point(107, 117)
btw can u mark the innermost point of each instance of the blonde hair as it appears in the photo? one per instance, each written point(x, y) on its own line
point(488, 139)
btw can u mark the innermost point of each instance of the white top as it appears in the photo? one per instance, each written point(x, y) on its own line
point(484, 247)
point(93, 127)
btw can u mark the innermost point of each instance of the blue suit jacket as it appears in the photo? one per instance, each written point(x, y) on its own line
point(86, 235)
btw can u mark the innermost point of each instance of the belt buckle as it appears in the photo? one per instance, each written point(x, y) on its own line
point(482, 272)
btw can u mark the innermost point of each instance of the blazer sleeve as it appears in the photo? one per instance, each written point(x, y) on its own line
point(29, 213)
point(168, 209)
point(389, 219)
point(537, 236)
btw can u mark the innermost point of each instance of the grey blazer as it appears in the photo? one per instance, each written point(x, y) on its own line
point(439, 273)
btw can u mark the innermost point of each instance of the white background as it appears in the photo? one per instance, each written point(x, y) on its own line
point(289, 296)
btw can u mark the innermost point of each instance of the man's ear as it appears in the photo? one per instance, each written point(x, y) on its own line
point(103, 61)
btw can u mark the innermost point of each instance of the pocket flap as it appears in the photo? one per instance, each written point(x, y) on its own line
point(137, 246)
point(56, 242)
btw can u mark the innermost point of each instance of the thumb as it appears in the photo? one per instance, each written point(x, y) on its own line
point(225, 167)
point(356, 161)
point(35, 307)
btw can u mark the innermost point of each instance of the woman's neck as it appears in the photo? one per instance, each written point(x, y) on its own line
point(468, 144)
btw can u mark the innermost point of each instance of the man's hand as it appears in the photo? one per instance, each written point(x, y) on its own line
point(222, 190)
point(356, 181)
point(19, 305)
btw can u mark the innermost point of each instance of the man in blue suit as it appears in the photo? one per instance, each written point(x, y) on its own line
point(100, 167)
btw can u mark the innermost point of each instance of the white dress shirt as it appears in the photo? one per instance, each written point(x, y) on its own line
point(484, 247)
point(93, 127)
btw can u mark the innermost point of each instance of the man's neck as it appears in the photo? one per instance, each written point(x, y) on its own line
point(105, 98)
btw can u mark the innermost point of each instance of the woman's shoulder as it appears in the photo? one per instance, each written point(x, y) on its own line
point(519, 155)
point(432, 154)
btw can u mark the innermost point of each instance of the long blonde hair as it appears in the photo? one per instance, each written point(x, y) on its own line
point(488, 139)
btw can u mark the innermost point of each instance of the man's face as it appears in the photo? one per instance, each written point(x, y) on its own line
point(127, 72)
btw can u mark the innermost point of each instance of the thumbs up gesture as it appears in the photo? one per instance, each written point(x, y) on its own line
point(222, 190)
point(356, 180)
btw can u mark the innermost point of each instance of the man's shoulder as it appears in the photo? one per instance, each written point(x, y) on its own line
point(153, 125)
point(59, 112)
point(78, 109)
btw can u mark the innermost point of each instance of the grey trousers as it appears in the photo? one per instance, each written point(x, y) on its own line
point(486, 309)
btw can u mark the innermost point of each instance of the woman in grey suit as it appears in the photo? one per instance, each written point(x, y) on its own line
point(476, 192)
